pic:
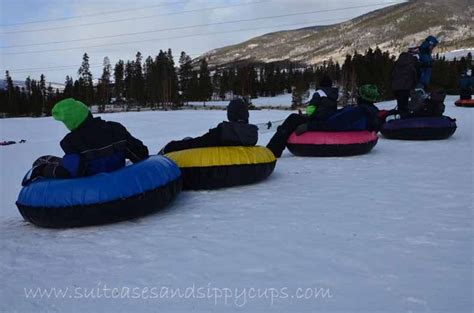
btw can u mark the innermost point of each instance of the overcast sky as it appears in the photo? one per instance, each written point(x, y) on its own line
point(30, 47)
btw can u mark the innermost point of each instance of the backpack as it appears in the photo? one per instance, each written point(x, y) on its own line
point(424, 105)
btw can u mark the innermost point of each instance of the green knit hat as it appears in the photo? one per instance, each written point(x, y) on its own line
point(369, 92)
point(71, 112)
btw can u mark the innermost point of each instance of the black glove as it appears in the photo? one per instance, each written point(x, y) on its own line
point(33, 174)
point(303, 128)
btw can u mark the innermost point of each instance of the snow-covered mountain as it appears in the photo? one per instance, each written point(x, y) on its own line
point(393, 28)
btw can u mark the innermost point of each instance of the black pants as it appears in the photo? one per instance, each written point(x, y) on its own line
point(402, 97)
point(278, 142)
point(466, 94)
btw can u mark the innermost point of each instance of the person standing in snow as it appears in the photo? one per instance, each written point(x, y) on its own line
point(426, 61)
point(92, 146)
point(236, 132)
point(404, 77)
point(465, 85)
point(322, 105)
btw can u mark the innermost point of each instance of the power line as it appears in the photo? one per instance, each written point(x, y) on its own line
point(188, 27)
point(96, 65)
point(162, 38)
point(92, 14)
point(64, 67)
point(51, 67)
point(135, 18)
point(27, 70)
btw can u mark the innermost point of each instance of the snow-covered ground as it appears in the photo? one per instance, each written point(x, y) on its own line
point(283, 100)
point(390, 231)
point(457, 53)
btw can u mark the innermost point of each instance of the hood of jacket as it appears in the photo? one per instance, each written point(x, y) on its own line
point(235, 133)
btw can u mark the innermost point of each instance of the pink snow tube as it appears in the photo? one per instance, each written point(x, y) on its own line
point(322, 144)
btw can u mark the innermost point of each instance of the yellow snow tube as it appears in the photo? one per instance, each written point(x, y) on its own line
point(218, 167)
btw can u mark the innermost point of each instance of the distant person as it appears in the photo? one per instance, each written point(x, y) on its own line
point(426, 61)
point(404, 77)
point(236, 132)
point(92, 146)
point(465, 85)
point(322, 105)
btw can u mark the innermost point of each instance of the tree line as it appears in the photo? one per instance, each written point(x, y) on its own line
point(157, 82)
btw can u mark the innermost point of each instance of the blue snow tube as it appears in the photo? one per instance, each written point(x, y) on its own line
point(129, 192)
point(420, 128)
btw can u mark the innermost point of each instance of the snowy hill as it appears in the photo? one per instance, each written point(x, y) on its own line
point(390, 231)
point(393, 28)
point(459, 53)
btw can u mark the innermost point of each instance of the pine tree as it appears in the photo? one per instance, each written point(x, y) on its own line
point(28, 86)
point(300, 89)
point(68, 87)
point(103, 88)
point(37, 98)
point(185, 75)
point(85, 75)
point(348, 79)
point(205, 84)
point(193, 87)
point(42, 86)
point(138, 83)
point(11, 107)
point(223, 85)
point(173, 89)
point(128, 81)
point(119, 79)
point(161, 61)
point(49, 99)
point(149, 70)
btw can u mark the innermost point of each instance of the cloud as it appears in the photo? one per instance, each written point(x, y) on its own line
point(17, 12)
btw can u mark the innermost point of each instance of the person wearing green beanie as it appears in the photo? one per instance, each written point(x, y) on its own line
point(369, 93)
point(71, 112)
point(92, 146)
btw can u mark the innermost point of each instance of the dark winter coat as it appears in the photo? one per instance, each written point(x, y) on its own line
point(405, 72)
point(465, 82)
point(96, 146)
point(225, 134)
point(325, 101)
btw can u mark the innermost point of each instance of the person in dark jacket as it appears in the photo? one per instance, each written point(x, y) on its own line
point(404, 77)
point(93, 145)
point(426, 61)
point(236, 132)
point(465, 85)
point(322, 105)
point(362, 116)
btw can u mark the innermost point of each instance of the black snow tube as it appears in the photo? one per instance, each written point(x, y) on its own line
point(420, 128)
point(219, 167)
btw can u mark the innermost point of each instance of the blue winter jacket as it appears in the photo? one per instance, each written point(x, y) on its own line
point(426, 59)
point(465, 82)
